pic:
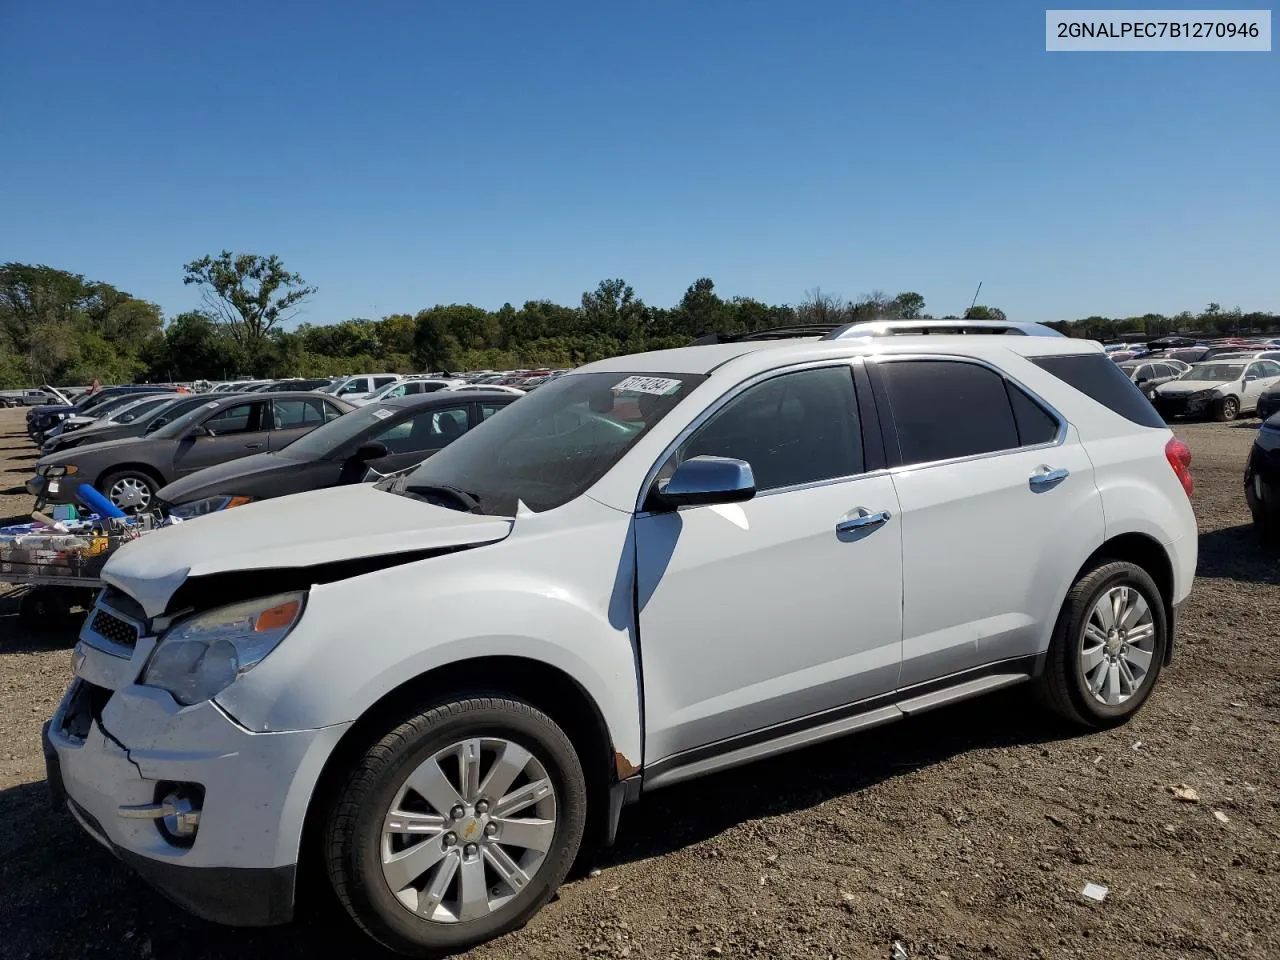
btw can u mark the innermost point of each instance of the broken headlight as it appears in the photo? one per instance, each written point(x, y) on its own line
point(201, 656)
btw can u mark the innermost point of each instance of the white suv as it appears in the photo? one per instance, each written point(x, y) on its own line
point(435, 689)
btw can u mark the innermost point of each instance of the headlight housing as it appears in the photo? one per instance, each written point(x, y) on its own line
point(201, 656)
point(198, 508)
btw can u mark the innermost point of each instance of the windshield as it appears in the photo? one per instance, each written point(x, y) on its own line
point(395, 385)
point(328, 437)
point(551, 446)
point(128, 412)
point(1215, 371)
point(176, 428)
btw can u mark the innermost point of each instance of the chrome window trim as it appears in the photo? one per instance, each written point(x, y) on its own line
point(1063, 424)
point(719, 403)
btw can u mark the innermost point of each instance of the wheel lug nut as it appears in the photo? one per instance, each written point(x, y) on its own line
point(470, 849)
point(450, 839)
point(491, 830)
point(457, 813)
point(482, 806)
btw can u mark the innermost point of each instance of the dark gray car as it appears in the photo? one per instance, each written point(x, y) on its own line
point(378, 438)
point(131, 470)
point(129, 425)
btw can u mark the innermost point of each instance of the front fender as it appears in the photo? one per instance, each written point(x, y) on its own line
point(526, 597)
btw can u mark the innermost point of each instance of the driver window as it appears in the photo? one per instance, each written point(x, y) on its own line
point(793, 429)
point(242, 418)
point(428, 430)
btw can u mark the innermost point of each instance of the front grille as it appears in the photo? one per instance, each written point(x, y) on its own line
point(118, 631)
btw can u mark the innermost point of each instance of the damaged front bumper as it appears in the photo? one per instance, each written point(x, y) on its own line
point(114, 747)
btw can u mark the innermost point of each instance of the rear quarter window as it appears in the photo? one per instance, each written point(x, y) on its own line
point(1098, 377)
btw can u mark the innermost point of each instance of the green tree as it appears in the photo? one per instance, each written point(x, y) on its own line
point(613, 309)
point(981, 312)
point(249, 293)
point(908, 306)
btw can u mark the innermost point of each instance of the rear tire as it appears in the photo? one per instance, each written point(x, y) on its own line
point(455, 895)
point(1093, 676)
point(1226, 409)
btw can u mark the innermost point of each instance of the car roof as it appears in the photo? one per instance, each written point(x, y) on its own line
point(754, 356)
point(446, 398)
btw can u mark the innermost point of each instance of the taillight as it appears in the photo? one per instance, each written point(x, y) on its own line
point(1179, 456)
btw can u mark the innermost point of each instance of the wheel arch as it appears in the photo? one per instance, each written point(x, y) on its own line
point(143, 468)
point(1149, 554)
point(550, 689)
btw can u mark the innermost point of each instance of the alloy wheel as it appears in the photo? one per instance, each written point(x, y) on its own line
point(1118, 645)
point(468, 830)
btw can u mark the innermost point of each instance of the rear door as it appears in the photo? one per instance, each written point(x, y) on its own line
point(292, 417)
point(237, 431)
point(997, 505)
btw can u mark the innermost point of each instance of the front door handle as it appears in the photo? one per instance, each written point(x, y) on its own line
point(1047, 478)
point(864, 521)
point(254, 446)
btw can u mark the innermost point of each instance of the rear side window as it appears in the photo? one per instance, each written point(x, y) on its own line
point(1035, 423)
point(944, 409)
point(1100, 379)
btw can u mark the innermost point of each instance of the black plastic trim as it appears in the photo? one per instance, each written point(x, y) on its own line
point(1028, 665)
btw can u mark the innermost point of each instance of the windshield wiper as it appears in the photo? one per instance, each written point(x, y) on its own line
point(424, 491)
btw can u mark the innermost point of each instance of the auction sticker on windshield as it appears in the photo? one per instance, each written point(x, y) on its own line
point(657, 386)
point(381, 414)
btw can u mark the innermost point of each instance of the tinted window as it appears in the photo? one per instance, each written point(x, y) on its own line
point(1144, 372)
point(382, 381)
point(355, 386)
point(1035, 424)
point(487, 410)
point(1268, 368)
point(944, 409)
point(1098, 378)
point(331, 411)
point(429, 430)
point(291, 414)
point(241, 418)
point(796, 428)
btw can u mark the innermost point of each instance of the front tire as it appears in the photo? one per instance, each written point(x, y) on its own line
point(1226, 409)
point(1107, 648)
point(131, 490)
point(458, 825)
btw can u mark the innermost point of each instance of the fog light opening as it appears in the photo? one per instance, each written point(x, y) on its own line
point(183, 803)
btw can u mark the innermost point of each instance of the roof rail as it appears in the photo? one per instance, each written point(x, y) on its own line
point(893, 328)
point(773, 333)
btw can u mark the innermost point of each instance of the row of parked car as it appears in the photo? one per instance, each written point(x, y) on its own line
point(1223, 381)
point(158, 449)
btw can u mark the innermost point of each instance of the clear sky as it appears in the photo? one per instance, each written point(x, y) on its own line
point(400, 154)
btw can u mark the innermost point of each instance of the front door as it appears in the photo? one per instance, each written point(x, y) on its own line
point(986, 477)
point(237, 431)
point(776, 609)
point(1260, 376)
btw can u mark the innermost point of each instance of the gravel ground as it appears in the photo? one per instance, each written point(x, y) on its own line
point(966, 832)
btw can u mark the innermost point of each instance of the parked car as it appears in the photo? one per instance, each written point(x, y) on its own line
point(146, 421)
point(410, 387)
point(44, 418)
point(1222, 388)
point(298, 383)
point(650, 569)
point(1269, 402)
point(351, 388)
point(128, 406)
point(381, 437)
point(1147, 375)
point(130, 471)
point(1262, 480)
point(486, 387)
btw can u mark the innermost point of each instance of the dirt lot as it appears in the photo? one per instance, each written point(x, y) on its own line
point(964, 833)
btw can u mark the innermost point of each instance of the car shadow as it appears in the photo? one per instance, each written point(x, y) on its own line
point(52, 863)
point(697, 811)
point(1236, 553)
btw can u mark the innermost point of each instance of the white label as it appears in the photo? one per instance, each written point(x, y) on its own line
point(1119, 31)
point(657, 386)
point(210, 406)
point(53, 486)
point(381, 414)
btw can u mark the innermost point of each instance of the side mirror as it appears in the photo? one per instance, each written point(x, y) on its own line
point(196, 432)
point(371, 450)
point(706, 480)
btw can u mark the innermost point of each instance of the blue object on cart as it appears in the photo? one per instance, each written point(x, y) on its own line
point(96, 502)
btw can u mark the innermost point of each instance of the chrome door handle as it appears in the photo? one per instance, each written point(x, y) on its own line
point(253, 446)
point(866, 521)
point(1046, 479)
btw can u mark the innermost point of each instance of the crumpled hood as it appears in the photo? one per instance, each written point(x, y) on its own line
point(1180, 387)
point(303, 530)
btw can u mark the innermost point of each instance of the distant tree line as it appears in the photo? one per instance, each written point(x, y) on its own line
point(58, 327)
